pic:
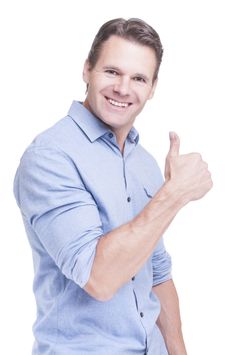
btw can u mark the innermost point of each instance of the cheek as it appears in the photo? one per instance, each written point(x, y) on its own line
point(93, 90)
point(143, 96)
point(98, 87)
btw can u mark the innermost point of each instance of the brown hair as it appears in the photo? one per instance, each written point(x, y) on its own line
point(134, 30)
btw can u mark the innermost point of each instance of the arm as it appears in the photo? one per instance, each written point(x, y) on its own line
point(169, 320)
point(124, 250)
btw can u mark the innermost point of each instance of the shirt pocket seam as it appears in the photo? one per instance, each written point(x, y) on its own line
point(150, 190)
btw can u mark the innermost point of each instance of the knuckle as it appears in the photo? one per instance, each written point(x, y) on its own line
point(210, 185)
point(199, 156)
point(196, 156)
point(205, 165)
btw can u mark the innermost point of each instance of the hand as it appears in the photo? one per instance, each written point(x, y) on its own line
point(188, 173)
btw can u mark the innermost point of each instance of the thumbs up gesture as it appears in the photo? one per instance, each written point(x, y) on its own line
point(187, 173)
point(173, 152)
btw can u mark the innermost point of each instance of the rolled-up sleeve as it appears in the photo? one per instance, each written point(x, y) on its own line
point(55, 203)
point(161, 264)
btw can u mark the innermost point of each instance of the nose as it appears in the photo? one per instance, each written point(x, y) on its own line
point(122, 86)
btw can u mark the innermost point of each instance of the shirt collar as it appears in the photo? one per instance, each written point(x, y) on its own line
point(91, 125)
point(133, 135)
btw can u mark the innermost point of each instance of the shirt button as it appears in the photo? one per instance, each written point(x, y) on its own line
point(133, 278)
point(129, 199)
point(110, 135)
point(141, 314)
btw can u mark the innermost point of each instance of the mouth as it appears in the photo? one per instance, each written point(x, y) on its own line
point(116, 103)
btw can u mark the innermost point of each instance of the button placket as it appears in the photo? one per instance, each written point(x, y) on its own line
point(128, 198)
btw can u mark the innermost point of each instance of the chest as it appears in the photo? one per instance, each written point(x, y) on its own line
point(120, 185)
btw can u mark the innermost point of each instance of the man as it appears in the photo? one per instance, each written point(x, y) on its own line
point(95, 208)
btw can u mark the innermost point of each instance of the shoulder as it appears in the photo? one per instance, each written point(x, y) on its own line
point(64, 138)
point(57, 136)
point(48, 155)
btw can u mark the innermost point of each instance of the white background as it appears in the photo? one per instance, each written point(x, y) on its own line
point(43, 47)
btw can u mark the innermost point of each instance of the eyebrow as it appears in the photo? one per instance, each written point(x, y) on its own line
point(112, 67)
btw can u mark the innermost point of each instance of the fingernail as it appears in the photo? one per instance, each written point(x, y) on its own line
point(172, 134)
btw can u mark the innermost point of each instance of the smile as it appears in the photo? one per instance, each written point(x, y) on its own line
point(117, 103)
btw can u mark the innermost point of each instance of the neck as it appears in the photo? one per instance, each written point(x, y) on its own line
point(121, 135)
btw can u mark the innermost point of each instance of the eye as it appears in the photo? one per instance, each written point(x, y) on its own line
point(139, 79)
point(111, 72)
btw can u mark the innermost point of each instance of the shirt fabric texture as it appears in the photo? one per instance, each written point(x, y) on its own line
point(73, 185)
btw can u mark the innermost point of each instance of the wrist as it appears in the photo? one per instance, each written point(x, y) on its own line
point(179, 351)
point(172, 192)
point(175, 344)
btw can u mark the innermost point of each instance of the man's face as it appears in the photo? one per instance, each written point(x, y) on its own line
point(121, 82)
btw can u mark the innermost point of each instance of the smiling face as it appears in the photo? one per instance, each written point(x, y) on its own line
point(121, 82)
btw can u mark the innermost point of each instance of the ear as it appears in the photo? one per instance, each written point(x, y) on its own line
point(86, 72)
point(152, 90)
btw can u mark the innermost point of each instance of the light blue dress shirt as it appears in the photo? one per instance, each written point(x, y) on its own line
point(73, 185)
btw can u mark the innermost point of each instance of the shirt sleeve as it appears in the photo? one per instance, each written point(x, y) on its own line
point(55, 203)
point(161, 264)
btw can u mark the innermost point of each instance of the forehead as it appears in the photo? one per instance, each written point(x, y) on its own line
point(127, 55)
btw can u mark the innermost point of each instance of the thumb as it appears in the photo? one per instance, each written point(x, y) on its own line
point(174, 144)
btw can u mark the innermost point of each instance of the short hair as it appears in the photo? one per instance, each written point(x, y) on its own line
point(134, 30)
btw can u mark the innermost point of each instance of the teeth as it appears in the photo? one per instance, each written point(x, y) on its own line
point(119, 104)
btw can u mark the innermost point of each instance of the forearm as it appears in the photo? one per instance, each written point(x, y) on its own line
point(169, 320)
point(122, 252)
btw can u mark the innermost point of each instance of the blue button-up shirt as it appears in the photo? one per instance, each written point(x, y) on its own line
point(73, 185)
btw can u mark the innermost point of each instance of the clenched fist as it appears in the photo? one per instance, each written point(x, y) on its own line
point(188, 173)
